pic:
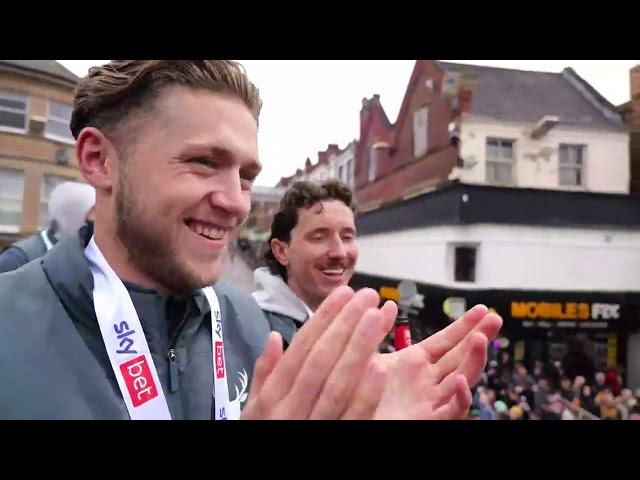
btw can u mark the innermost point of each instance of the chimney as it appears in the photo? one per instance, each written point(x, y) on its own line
point(333, 149)
point(634, 75)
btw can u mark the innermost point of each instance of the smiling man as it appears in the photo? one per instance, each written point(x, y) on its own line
point(127, 319)
point(312, 252)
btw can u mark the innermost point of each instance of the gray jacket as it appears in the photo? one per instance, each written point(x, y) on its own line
point(285, 312)
point(53, 363)
point(22, 252)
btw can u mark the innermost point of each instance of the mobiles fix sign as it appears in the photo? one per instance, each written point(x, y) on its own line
point(565, 311)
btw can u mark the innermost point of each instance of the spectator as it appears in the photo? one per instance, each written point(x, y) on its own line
point(612, 380)
point(548, 412)
point(587, 400)
point(600, 384)
point(635, 412)
point(565, 389)
point(576, 362)
point(608, 407)
point(541, 392)
point(626, 402)
point(573, 411)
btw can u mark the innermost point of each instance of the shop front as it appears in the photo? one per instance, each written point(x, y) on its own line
point(548, 326)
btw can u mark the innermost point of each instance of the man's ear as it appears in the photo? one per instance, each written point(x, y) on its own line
point(97, 158)
point(280, 250)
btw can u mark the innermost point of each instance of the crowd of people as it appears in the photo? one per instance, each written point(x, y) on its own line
point(510, 391)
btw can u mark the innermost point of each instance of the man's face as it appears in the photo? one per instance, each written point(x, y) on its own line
point(322, 252)
point(185, 185)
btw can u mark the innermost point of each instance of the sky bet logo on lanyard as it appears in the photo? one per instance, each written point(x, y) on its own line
point(128, 349)
point(139, 381)
point(136, 372)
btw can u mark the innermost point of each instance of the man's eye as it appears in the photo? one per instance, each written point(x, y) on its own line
point(206, 161)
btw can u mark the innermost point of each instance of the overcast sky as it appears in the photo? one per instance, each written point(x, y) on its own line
point(309, 104)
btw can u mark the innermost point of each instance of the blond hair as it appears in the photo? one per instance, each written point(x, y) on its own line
point(109, 94)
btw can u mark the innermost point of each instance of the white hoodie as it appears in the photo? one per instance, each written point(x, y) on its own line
point(274, 295)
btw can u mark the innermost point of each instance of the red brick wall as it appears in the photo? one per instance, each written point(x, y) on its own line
point(400, 172)
point(433, 170)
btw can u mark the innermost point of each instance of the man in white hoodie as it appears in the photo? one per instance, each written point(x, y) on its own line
point(313, 251)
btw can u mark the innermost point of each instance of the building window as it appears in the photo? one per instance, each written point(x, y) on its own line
point(13, 112)
point(464, 264)
point(11, 191)
point(58, 119)
point(373, 163)
point(499, 160)
point(571, 168)
point(341, 173)
point(350, 172)
point(420, 131)
point(48, 184)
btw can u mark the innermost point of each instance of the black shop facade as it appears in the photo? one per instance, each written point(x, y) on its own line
point(538, 325)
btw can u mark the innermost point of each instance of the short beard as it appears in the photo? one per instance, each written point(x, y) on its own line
point(148, 248)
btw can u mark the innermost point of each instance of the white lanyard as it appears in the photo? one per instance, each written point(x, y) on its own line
point(45, 238)
point(128, 349)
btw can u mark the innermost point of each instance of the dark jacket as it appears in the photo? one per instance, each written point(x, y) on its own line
point(22, 252)
point(53, 361)
point(285, 312)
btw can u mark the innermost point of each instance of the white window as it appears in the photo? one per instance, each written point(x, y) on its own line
point(571, 168)
point(48, 184)
point(373, 163)
point(58, 119)
point(350, 172)
point(13, 112)
point(11, 190)
point(420, 131)
point(341, 175)
point(499, 160)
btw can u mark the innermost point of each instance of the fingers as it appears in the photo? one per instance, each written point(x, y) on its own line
point(266, 362)
point(343, 380)
point(280, 382)
point(263, 368)
point(488, 328)
point(458, 404)
point(369, 392)
point(468, 357)
point(475, 360)
point(360, 314)
point(446, 390)
point(409, 389)
point(441, 342)
point(389, 314)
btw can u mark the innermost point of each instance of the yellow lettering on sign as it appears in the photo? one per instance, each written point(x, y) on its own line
point(518, 309)
point(390, 293)
point(543, 310)
point(583, 311)
point(553, 311)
